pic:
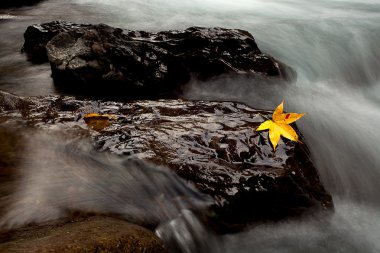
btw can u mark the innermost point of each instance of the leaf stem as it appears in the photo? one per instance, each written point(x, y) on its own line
point(265, 117)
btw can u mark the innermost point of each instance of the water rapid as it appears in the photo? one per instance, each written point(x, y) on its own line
point(333, 46)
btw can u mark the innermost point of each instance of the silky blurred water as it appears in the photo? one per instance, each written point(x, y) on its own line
point(60, 174)
point(334, 47)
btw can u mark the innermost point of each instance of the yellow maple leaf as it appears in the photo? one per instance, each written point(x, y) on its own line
point(98, 121)
point(279, 125)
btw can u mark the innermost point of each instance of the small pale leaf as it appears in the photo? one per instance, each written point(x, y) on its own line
point(98, 122)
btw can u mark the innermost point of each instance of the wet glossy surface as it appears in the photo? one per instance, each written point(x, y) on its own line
point(103, 60)
point(213, 145)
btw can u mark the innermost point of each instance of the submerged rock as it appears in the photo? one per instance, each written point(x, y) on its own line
point(95, 234)
point(212, 145)
point(10, 102)
point(137, 63)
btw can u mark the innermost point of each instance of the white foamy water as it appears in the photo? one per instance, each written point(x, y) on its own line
point(61, 174)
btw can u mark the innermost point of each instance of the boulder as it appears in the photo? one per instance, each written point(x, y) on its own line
point(212, 145)
point(37, 36)
point(209, 52)
point(94, 234)
point(141, 64)
point(103, 59)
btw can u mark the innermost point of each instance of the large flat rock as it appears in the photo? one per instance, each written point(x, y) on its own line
point(212, 145)
point(95, 234)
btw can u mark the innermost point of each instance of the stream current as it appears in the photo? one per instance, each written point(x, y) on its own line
point(334, 47)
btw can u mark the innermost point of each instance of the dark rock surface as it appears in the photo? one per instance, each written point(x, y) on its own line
point(212, 145)
point(106, 56)
point(17, 3)
point(209, 52)
point(37, 36)
point(146, 64)
point(10, 102)
point(94, 234)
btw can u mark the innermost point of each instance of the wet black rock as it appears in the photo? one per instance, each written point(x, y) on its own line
point(212, 145)
point(208, 52)
point(142, 64)
point(106, 56)
point(37, 36)
point(17, 3)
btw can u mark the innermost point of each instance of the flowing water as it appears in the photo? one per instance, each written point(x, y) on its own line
point(334, 47)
